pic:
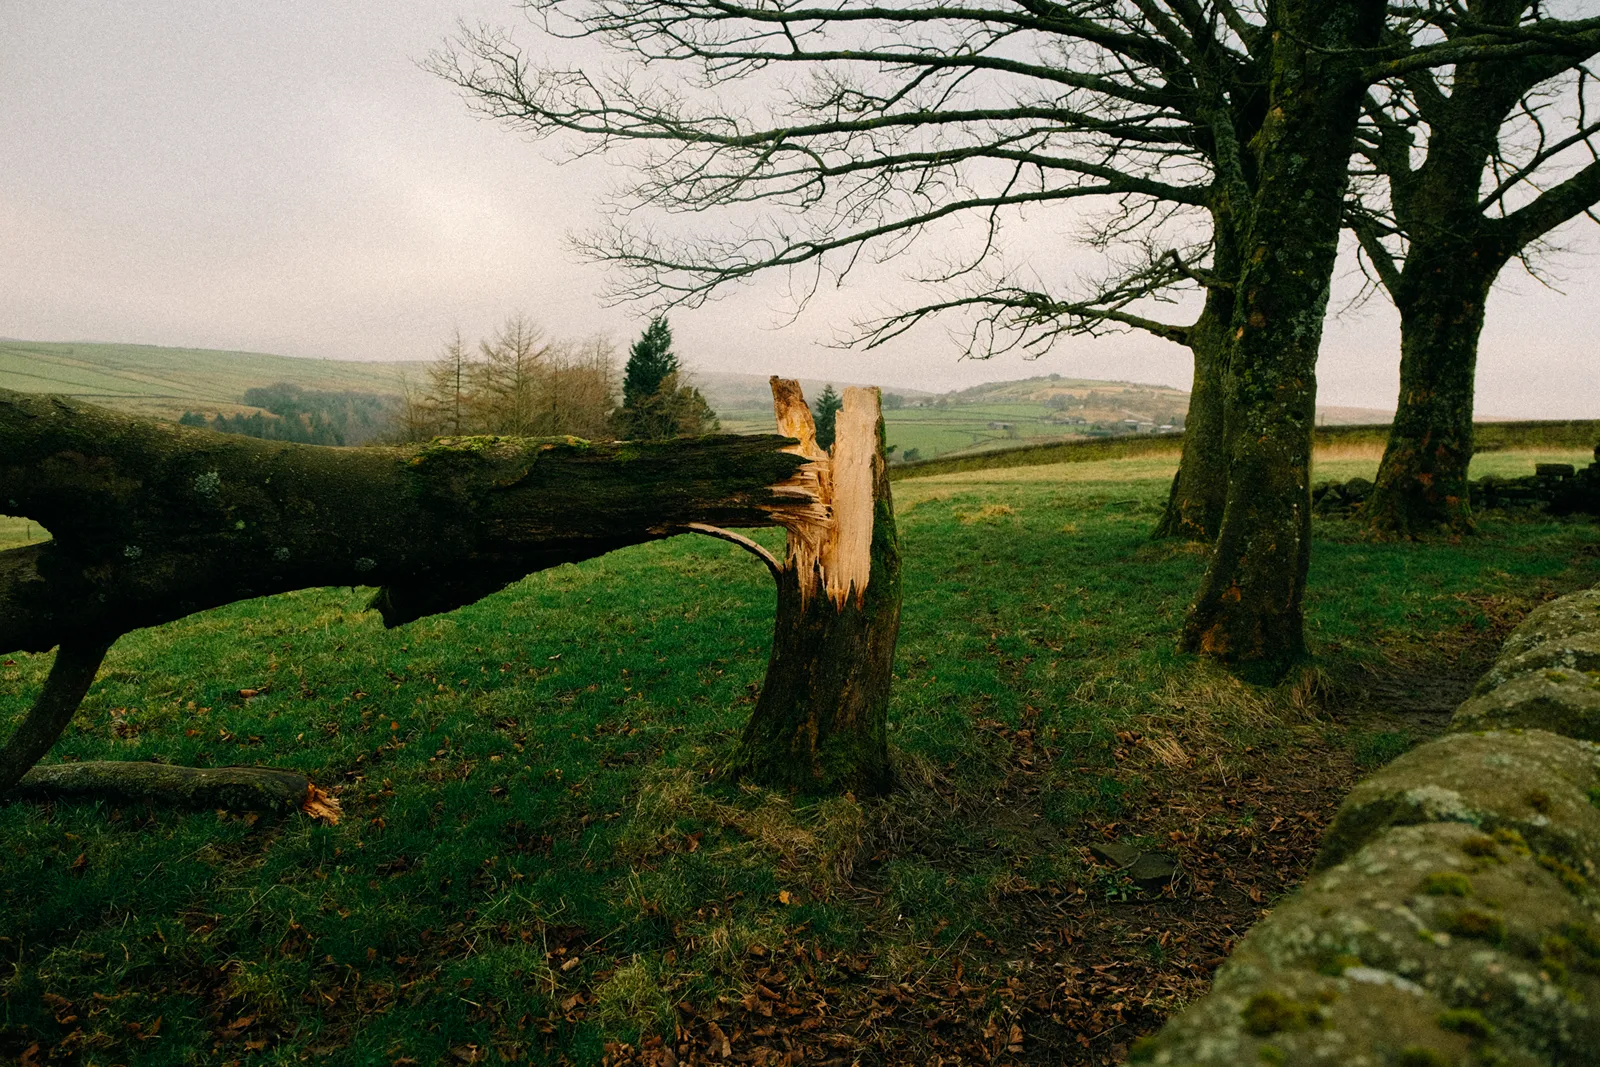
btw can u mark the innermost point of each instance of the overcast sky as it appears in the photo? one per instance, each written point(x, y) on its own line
point(284, 178)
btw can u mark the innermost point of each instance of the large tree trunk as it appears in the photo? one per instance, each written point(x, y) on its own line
point(820, 724)
point(1422, 480)
point(1248, 611)
point(153, 521)
point(1455, 251)
point(1200, 488)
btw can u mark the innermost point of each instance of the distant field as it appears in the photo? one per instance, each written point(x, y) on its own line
point(1521, 444)
point(14, 533)
point(998, 415)
point(166, 382)
point(939, 431)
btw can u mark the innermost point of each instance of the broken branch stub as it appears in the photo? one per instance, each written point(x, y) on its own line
point(821, 722)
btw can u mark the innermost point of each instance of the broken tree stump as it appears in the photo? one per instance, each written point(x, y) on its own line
point(820, 724)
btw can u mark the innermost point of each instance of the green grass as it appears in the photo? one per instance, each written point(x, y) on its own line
point(531, 780)
point(15, 532)
point(165, 382)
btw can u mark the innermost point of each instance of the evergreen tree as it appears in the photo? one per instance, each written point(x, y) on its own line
point(826, 412)
point(650, 360)
point(656, 405)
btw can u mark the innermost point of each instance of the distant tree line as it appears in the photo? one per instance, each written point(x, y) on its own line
point(307, 416)
point(520, 383)
point(516, 383)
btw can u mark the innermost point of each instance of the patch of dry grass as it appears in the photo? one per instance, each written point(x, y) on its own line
point(814, 844)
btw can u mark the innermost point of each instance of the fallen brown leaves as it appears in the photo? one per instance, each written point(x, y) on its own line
point(1064, 974)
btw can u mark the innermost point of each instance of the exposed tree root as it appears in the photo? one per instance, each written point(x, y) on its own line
point(70, 677)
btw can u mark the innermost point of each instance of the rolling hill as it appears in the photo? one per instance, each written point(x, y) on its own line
point(166, 382)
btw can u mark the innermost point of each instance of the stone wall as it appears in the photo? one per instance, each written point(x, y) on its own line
point(1453, 915)
point(1559, 488)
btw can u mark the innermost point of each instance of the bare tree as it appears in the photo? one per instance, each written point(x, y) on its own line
point(450, 380)
point(509, 376)
point(579, 388)
point(854, 130)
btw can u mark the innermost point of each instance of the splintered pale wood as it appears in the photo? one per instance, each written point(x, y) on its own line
point(810, 487)
point(847, 551)
point(829, 549)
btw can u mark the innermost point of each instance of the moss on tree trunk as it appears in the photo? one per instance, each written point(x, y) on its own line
point(1248, 611)
point(1200, 488)
point(153, 521)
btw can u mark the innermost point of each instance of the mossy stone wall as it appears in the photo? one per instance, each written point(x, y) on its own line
point(1454, 917)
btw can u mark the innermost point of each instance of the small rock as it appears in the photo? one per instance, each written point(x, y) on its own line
point(1147, 870)
point(1116, 853)
point(1152, 870)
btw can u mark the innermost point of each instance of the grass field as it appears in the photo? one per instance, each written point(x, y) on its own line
point(166, 382)
point(540, 864)
point(934, 431)
point(997, 415)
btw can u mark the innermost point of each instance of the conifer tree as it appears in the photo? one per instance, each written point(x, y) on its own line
point(827, 413)
point(656, 404)
point(650, 360)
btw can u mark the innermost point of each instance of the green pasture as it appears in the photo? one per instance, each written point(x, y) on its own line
point(935, 431)
point(165, 382)
point(538, 854)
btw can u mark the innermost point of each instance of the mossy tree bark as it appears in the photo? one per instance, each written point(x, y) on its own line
point(1248, 611)
point(153, 521)
point(820, 724)
point(1200, 488)
point(1454, 251)
point(1422, 479)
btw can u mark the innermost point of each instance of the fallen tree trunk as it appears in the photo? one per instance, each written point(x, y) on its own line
point(153, 521)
